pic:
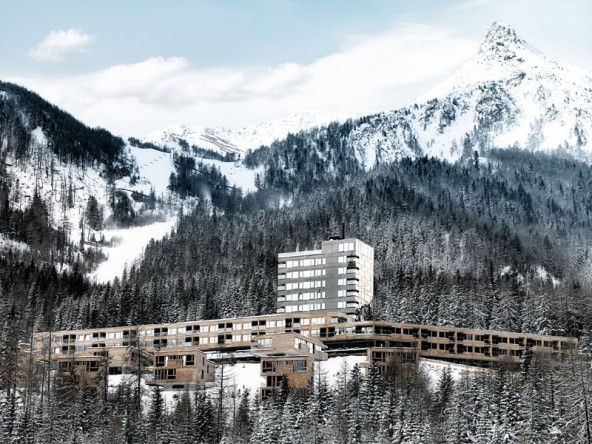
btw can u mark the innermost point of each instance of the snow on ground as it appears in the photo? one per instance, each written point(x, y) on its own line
point(7, 244)
point(128, 245)
point(237, 174)
point(155, 166)
point(246, 375)
point(542, 274)
point(333, 367)
point(434, 369)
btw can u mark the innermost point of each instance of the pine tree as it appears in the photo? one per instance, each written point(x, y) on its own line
point(156, 415)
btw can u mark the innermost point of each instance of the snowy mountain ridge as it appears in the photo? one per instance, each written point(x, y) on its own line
point(237, 141)
point(508, 95)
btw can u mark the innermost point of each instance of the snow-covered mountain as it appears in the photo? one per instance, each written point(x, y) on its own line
point(508, 95)
point(56, 174)
point(237, 141)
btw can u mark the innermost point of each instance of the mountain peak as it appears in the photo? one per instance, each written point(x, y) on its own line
point(501, 42)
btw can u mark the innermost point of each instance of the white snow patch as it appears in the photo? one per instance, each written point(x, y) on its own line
point(246, 375)
point(7, 244)
point(332, 368)
point(237, 174)
point(128, 246)
point(542, 274)
point(39, 136)
point(433, 369)
point(155, 168)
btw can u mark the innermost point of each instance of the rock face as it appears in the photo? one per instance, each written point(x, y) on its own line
point(508, 95)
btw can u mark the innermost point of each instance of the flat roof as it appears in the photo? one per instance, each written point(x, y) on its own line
point(300, 253)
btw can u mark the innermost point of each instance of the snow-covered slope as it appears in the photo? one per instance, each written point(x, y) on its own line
point(225, 140)
point(508, 95)
point(155, 167)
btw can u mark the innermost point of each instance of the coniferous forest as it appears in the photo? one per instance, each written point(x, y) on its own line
point(498, 240)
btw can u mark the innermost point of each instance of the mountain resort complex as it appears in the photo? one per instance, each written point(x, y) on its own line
point(287, 222)
point(321, 296)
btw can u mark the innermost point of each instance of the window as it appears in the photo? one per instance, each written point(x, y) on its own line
point(161, 331)
point(341, 270)
point(92, 366)
point(346, 246)
point(264, 343)
point(268, 366)
point(341, 259)
point(341, 281)
point(299, 366)
point(341, 304)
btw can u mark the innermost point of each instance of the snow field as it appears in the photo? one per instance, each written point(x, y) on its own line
point(128, 246)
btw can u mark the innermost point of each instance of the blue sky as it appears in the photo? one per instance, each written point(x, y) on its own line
point(137, 66)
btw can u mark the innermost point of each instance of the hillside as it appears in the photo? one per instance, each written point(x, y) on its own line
point(62, 183)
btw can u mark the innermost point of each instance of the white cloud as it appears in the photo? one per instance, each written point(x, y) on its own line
point(369, 74)
point(60, 43)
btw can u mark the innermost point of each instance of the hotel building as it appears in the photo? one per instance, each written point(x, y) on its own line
point(339, 276)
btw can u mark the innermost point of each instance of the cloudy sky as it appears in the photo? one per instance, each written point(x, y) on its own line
point(136, 66)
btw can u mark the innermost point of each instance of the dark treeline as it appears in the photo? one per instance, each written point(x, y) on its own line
point(547, 402)
point(22, 111)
